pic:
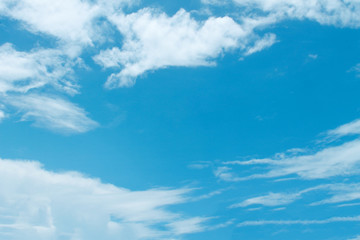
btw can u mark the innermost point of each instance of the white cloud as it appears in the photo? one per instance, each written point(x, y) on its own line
point(351, 128)
point(339, 192)
point(334, 12)
point(267, 41)
point(67, 20)
point(341, 160)
point(154, 40)
point(23, 71)
point(39, 204)
point(187, 226)
point(52, 112)
point(272, 199)
point(332, 161)
point(299, 222)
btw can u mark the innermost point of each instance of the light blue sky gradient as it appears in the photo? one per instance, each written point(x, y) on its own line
point(179, 119)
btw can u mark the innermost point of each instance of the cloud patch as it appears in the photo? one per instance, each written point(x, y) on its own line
point(39, 204)
point(153, 40)
point(53, 113)
point(330, 161)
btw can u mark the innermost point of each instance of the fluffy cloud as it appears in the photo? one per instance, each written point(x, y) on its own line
point(67, 20)
point(39, 204)
point(74, 24)
point(53, 113)
point(153, 40)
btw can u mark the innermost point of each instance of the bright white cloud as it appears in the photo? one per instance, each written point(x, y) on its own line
point(75, 24)
point(38, 204)
point(154, 40)
point(53, 113)
point(23, 71)
point(272, 199)
point(68, 20)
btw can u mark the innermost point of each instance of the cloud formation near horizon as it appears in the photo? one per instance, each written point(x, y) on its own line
point(40, 204)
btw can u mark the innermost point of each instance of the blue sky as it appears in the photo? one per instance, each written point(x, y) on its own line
point(198, 119)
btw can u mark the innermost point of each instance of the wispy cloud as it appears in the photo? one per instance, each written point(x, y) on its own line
point(330, 161)
point(337, 12)
point(52, 112)
point(352, 128)
point(187, 226)
point(339, 193)
point(39, 204)
point(272, 199)
point(267, 41)
point(23, 71)
point(299, 222)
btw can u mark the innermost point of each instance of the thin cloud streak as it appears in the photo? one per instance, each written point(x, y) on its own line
point(298, 222)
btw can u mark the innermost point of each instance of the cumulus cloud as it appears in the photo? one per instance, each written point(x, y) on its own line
point(153, 40)
point(67, 20)
point(53, 113)
point(39, 204)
